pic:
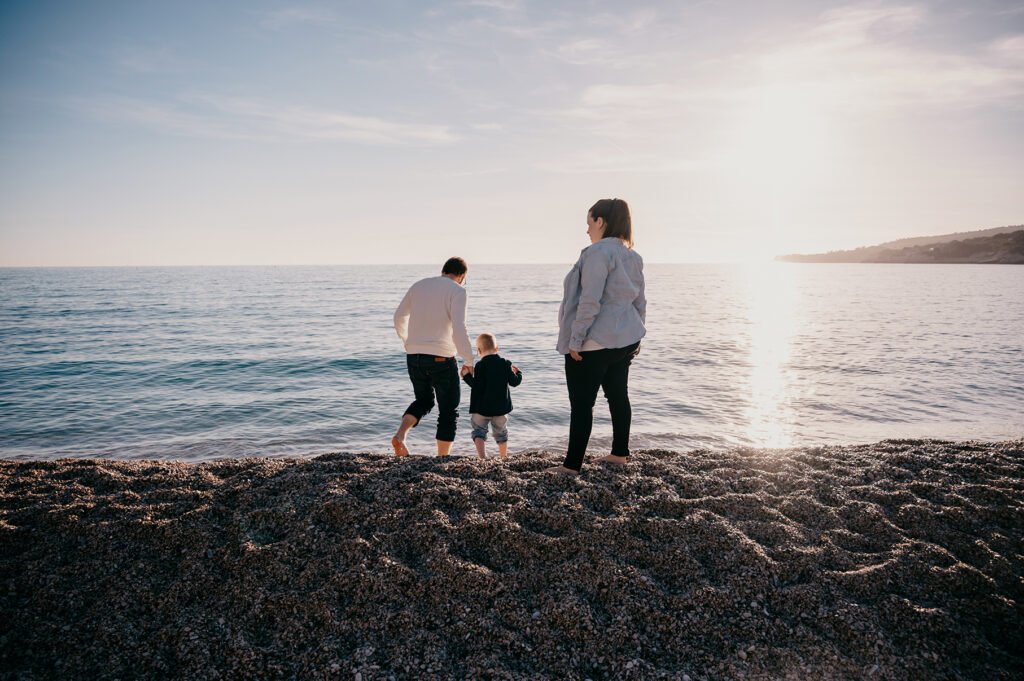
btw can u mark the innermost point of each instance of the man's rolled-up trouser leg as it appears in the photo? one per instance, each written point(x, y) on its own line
point(445, 379)
point(422, 387)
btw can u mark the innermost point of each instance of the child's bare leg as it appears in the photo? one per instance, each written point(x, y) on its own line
point(500, 428)
point(481, 447)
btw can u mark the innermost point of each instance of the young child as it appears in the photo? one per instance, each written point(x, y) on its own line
point(490, 401)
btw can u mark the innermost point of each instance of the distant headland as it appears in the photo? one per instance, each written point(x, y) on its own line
point(997, 246)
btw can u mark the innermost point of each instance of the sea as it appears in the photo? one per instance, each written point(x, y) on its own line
point(208, 362)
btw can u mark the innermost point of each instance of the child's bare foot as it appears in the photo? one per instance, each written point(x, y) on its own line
point(611, 458)
point(563, 470)
point(399, 447)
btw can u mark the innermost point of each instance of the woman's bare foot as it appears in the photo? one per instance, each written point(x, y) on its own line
point(611, 458)
point(399, 447)
point(563, 470)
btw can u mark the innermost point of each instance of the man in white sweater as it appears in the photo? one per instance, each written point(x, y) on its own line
point(431, 321)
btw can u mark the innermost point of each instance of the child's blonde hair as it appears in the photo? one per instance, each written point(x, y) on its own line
point(486, 341)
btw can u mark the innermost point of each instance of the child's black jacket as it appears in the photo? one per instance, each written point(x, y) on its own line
point(490, 381)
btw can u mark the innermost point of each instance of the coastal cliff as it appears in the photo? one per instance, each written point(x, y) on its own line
point(1001, 245)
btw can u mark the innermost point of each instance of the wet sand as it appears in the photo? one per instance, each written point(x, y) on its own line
point(897, 560)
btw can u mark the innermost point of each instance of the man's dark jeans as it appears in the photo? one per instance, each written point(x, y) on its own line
point(430, 376)
point(607, 369)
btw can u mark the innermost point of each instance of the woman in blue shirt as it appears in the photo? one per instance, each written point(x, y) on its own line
point(601, 322)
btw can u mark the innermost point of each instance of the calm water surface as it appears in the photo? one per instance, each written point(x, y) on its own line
point(197, 363)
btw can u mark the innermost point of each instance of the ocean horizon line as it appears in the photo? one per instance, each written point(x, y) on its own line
point(767, 261)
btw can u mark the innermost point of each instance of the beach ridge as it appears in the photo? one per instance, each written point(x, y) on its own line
point(900, 559)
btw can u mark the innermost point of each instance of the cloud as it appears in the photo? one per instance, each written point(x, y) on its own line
point(646, 118)
point(653, 98)
point(161, 117)
point(1010, 50)
point(292, 16)
point(481, 172)
point(501, 5)
point(625, 21)
point(866, 57)
point(616, 161)
point(234, 118)
point(866, 60)
point(854, 59)
point(859, 24)
point(585, 51)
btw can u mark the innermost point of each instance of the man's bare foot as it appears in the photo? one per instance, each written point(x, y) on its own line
point(611, 458)
point(563, 470)
point(399, 447)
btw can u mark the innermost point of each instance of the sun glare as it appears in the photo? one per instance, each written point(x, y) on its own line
point(780, 138)
point(778, 143)
point(776, 155)
point(773, 304)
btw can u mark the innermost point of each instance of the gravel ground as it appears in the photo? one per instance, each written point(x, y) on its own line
point(898, 560)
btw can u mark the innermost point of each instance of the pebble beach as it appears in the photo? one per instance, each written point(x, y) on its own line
point(902, 559)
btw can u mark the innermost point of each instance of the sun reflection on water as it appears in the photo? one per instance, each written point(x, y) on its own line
point(773, 304)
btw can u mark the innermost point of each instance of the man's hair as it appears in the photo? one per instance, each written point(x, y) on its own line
point(487, 341)
point(456, 266)
point(616, 219)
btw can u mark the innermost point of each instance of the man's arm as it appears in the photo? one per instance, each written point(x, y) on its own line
point(459, 334)
point(402, 316)
point(478, 378)
point(515, 377)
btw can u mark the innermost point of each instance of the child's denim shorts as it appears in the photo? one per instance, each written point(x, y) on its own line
point(499, 426)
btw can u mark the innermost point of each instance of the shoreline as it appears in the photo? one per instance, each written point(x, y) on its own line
point(898, 559)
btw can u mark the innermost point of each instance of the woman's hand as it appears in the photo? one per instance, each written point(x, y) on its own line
point(576, 356)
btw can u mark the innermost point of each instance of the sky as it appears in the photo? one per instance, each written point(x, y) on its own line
point(271, 133)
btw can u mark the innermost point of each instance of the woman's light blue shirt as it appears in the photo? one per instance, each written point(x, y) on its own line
point(603, 298)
